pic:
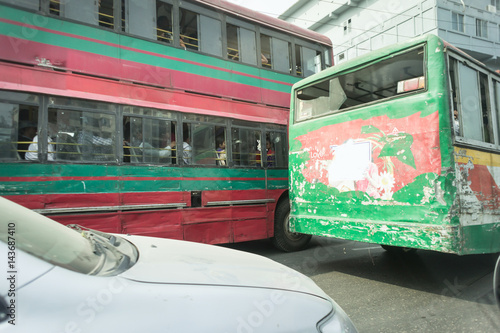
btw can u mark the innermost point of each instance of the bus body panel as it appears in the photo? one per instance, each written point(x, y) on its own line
point(235, 205)
point(67, 46)
point(389, 173)
point(77, 80)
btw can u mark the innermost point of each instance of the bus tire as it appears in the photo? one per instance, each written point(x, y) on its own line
point(398, 249)
point(284, 239)
point(496, 282)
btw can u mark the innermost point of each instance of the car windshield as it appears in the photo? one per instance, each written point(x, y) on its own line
point(80, 251)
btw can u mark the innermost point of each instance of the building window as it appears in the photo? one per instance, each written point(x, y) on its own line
point(347, 26)
point(457, 22)
point(481, 28)
point(496, 3)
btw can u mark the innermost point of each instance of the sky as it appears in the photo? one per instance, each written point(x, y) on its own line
point(269, 7)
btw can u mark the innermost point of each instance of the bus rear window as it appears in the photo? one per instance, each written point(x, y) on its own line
point(397, 75)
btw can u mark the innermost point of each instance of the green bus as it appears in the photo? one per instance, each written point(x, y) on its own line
point(399, 147)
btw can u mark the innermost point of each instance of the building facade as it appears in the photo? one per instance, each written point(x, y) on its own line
point(360, 26)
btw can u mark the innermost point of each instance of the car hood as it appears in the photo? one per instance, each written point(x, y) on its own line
point(182, 262)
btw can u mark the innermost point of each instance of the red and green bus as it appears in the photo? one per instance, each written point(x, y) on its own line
point(165, 118)
point(399, 147)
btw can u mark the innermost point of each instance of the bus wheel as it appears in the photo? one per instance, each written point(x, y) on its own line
point(496, 282)
point(398, 249)
point(284, 239)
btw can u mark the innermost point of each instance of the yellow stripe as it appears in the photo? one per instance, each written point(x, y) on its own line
point(463, 155)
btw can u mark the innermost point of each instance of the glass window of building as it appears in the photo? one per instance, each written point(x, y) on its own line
point(457, 22)
point(481, 28)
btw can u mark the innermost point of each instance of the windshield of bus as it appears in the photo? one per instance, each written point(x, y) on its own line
point(393, 76)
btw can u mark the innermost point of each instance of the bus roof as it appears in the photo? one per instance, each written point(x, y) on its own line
point(266, 20)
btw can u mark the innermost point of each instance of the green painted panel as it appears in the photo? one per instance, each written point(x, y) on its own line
point(76, 178)
point(423, 236)
point(477, 239)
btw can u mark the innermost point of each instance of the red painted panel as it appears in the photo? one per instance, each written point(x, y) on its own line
point(484, 186)
point(250, 230)
point(28, 201)
point(142, 198)
point(81, 200)
point(210, 233)
point(37, 80)
point(108, 222)
point(160, 223)
point(204, 215)
point(103, 66)
point(209, 196)
point(45, 201)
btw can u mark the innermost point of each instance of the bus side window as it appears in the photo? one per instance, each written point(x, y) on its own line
point(189, 32)
point(204, 143)
point(29, 4)
point(497, 104)
point(140, 18)
point(55, 7)
point(187, 148)
point(63, 130)
point(106, 15)
point(233, 42)
point(241, 41)
point(454, 97)
point(164, 32)
point(86, 11)
point(276, 150)
point(486, 108)
point(210, 36)
point(220, 146)
point(265, 49)
point(246, 147)
point(27, 129)
point(470, 106)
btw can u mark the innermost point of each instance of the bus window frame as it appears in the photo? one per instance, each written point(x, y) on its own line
point(115, 114)
point(191, 122)
point(460, 140)
point(360, 67)
point(241, 25)
point(120, 15)
point(9, 97)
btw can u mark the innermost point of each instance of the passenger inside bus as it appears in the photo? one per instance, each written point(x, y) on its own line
point(271, 155)
point(27, 131)
point(187, 150)
point(456, 123)
point(32, 153)
point(221, 150)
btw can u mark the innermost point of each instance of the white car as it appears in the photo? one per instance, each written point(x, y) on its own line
point(68, 280)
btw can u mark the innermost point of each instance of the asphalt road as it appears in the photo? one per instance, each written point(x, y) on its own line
point(382, 292)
